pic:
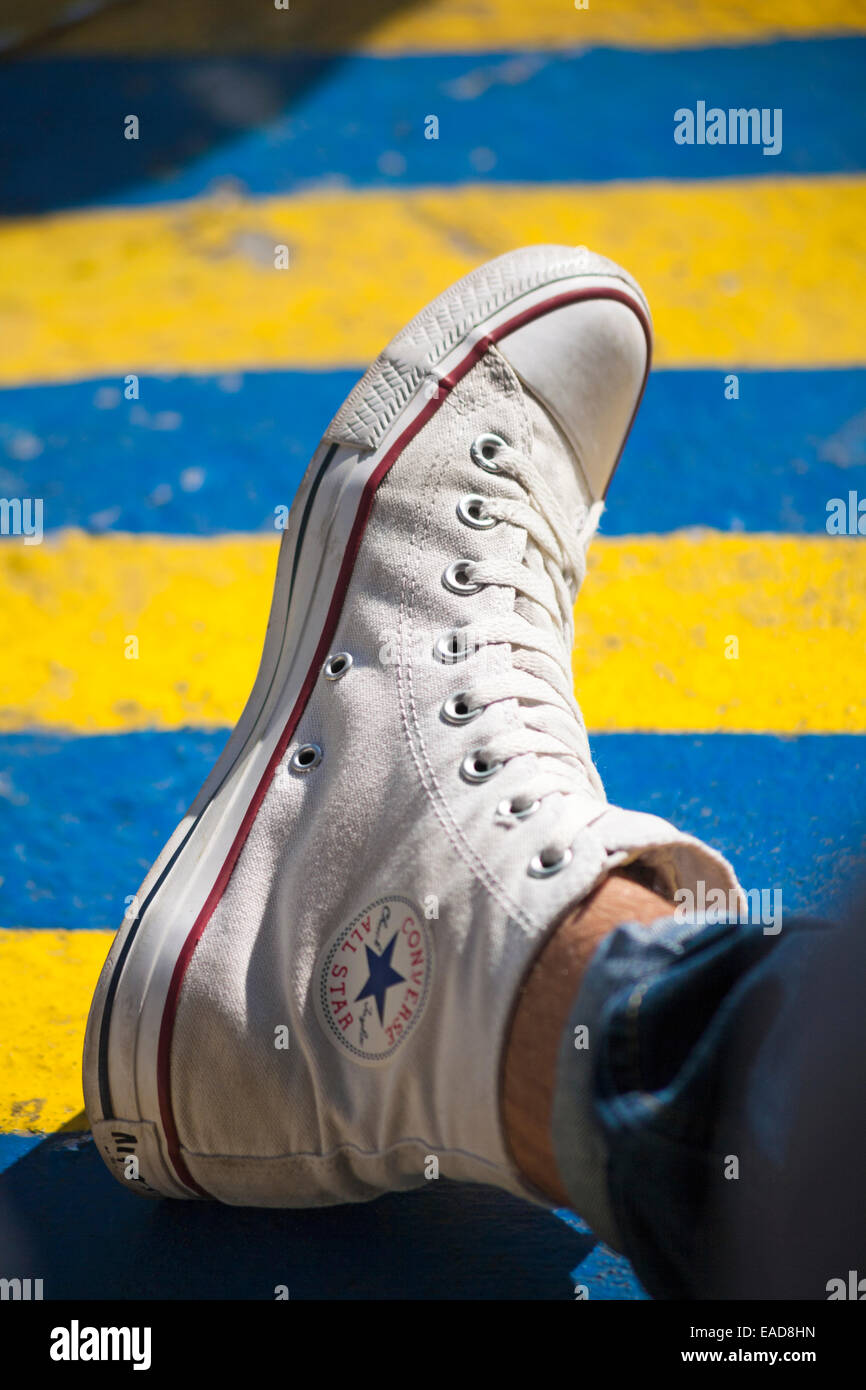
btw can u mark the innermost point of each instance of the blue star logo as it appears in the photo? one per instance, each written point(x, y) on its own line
point(382, 977)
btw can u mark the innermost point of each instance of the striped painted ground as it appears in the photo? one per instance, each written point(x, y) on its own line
point(162, 386)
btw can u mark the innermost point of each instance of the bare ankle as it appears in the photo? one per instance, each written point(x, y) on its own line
point(547, 995)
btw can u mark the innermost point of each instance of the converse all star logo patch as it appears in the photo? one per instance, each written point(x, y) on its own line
point(373, 979)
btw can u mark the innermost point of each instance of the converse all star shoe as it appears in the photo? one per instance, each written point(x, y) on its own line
point(312, 996)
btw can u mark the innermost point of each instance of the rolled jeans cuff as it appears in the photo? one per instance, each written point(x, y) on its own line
point(626, 961)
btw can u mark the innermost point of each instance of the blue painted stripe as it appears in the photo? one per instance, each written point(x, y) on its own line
point(15, 1146)
point(204, 455)
point(602, 1273)
point(768, 460)
point(81, 819)
point(457, 1242)
point(194, 455)
point(274, 124)
point(607, 1276)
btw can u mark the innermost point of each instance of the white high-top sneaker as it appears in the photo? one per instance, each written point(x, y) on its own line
point(314, 996)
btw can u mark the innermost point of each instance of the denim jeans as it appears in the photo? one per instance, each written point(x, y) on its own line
point(708, 1114)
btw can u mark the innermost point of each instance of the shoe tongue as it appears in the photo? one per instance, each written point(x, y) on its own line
point(556, 461)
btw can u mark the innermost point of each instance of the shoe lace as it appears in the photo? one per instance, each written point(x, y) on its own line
point(540, 679)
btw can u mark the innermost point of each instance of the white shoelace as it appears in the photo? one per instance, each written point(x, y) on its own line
point(541, 676)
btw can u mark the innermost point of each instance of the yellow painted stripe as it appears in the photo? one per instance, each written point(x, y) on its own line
point(163, 26)
point(758, 634)
point(745, 272)
point(653, 633)
point(47, 979)
point(132, 632)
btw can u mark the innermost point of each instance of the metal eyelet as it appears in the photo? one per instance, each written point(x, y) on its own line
point(470, 510)
point(305, 758)
point(337, 665)
point(453, 646)
point(484, 450)
point(455, 710)
point(476, 768)
point(508, 808)
point(451, 578)
point(539, 868)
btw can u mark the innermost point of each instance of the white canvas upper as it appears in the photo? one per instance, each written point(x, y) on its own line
point(341, 1016)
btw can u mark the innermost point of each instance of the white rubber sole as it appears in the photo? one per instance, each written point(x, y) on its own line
point(127, 1047)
